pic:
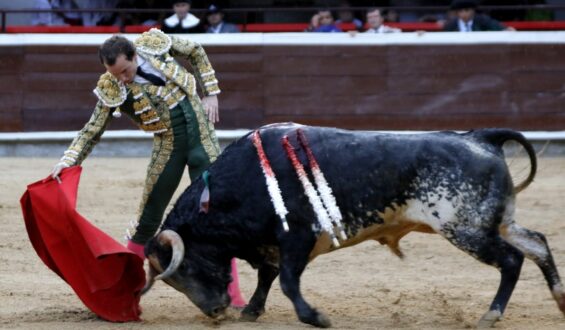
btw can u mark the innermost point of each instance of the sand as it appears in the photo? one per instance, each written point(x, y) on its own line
point(364, 287)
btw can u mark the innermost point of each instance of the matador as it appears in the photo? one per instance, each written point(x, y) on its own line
point(145, 82)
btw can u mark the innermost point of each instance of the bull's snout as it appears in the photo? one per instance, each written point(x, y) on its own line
point(215, 310)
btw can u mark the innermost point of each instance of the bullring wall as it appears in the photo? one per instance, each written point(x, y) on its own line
point(390, 82)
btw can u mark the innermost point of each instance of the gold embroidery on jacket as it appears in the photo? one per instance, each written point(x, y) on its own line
point(88, 136)
point(162, 150)
point(195, 54)
point(155, 46)
point(110, 91)
point(153, 42)
point(148, 113)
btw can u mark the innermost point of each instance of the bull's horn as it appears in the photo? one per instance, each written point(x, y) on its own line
point(169, 237)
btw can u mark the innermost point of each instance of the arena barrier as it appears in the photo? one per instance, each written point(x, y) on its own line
point(403, 81)
point(135, 143)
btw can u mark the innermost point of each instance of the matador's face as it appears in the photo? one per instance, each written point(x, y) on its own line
point(124, 70)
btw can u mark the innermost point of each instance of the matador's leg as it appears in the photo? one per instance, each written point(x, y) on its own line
point(163, 176)
point(203, 145)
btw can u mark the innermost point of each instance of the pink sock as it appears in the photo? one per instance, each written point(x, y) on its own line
point(233, 288)
point(137, 249)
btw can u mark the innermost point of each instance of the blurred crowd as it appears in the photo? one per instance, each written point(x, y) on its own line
point(171, 16)
point(462, 16)
point(179, 16)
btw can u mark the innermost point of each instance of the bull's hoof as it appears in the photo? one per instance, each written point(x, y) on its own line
point(489, 319)
point(324, 321)
point(317, 319)
point(561, 303)
point(249, 315)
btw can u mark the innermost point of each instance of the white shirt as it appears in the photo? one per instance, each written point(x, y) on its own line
point(465, 27)
point(148, 68)
point(187, 22)
point(216, 29)
point(384, 29)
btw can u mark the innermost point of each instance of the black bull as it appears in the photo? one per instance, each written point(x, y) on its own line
point(455, 185)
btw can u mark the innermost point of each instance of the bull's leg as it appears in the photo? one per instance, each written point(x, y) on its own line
point(256, 307)
point(491, 249)
point(294, 258)
point(534, 246)
point(509, 262)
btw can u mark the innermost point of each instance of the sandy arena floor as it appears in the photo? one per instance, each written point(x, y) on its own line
point(364, 287)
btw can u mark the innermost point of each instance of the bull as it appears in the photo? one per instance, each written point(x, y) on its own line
point(385, 185)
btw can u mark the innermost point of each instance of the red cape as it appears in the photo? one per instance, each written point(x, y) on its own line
point(105, 275)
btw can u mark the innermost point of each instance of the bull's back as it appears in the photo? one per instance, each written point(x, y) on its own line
point(372, 175)
point(411, 183)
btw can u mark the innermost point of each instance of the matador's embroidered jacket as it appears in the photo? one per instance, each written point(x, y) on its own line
point(149, 105)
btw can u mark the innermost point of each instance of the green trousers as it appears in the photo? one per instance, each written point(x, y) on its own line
point(187, 151)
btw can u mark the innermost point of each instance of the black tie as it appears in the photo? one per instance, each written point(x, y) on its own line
point(155, 80)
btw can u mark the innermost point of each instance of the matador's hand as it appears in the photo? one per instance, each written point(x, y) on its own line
point(57, 170)
point(210, 104)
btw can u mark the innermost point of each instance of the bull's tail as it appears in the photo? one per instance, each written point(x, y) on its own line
point(498, 136)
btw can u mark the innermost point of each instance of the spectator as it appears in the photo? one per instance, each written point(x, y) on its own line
point(216, 23)
point(345, 16)
point(375, 21)
point(468, 20)
point(182, 21)
point(56, 18)
point(323, 21)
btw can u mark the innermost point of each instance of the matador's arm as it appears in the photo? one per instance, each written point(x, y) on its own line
point(195, 54)
point(88, 136)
